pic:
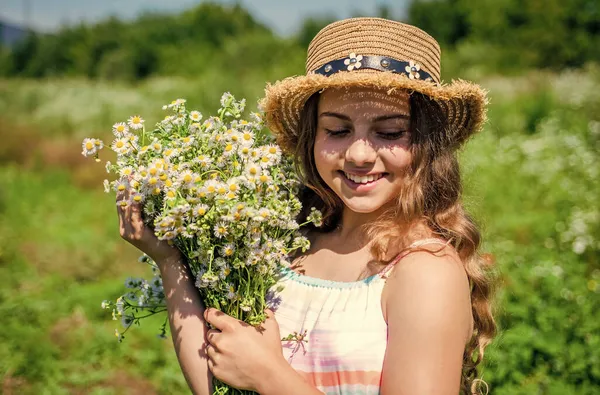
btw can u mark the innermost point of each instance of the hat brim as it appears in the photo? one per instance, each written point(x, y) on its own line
point(462, 103)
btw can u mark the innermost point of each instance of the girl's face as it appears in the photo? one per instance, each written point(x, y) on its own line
point(362, 145)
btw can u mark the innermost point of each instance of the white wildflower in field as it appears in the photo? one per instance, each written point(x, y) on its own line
point(135, 122)
point(120, 129)
point(221, 191)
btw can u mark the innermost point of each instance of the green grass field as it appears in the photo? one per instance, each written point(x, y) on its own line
point(532, 179)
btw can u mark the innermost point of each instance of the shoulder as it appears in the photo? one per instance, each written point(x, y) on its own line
point(430, 283)
point(426, 301)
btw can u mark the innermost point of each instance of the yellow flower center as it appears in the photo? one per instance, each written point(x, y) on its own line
point(121, 187)
point(152, 181)
point(253, 171)
point(233, 187)
point(119, 144)
point(156, 146)
point(211, 189)
point(221, 190)
point(186, 139)
point(120, 128)
point(169, 183)
point(264, 159)
point(89, 145)
point(201, 211)
point(187, 178)
point(97, 143)
point(163, 176)
point(137, 198)
point(272, 150)
point(263, 178)
point(156, 191)
point(228, 147)
point(234, 138)
point(230, 195)
point(171, 194)
point(136, 120)
point(153, 171)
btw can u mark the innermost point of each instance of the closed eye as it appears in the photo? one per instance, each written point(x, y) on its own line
point(392, 135)
point(337, 132)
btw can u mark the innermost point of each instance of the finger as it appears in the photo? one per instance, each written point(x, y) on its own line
point(270, 321)
point(211, 352)
point(212, 336)
point(211, 363)
point(218, 319)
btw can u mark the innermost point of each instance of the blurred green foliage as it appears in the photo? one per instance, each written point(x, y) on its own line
point(506, 36)
point(532, 177)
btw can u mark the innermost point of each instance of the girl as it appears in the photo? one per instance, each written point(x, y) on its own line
point(392, 296)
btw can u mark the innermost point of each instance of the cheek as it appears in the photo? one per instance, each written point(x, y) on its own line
point(397, 159)
point(326, 153)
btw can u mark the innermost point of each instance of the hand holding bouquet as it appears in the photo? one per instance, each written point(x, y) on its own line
point(221, 192)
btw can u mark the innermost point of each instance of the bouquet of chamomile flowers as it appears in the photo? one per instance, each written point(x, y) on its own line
point(222, 192)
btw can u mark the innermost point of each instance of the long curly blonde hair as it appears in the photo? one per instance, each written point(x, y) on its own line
point(431, 196)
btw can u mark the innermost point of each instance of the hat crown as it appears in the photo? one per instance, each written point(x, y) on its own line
point(374, 36)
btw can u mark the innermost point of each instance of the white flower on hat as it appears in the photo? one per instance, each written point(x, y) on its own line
point(413, 70)
point(353, 61)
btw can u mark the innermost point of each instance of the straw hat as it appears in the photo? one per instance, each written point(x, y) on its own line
point(380, 53)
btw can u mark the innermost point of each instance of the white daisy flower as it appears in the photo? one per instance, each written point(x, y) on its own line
point(169, 153)
point(89, 146)
point(120, 129)
point(221, 230)
point(135, 122)
point(137, 197)
point(186, 141)
point(195, 116)
point(200, 210)
point(273, 152)
point(121, 146)
point(203, 160)
point(210, 187)
point(227, 250)
point(126, 171)
point(187, 178)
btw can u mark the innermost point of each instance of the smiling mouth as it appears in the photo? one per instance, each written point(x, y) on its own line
point(363, 179)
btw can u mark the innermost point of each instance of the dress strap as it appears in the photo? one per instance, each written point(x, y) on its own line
point(385, 271)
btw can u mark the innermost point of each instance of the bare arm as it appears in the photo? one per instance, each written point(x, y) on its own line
point(427, 303)
point(185, 309)
point(188, 329)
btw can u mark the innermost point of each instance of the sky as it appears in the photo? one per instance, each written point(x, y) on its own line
point(283, 16)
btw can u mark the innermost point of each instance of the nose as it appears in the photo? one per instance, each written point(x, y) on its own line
point(360, 152)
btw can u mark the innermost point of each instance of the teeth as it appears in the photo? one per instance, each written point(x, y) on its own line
point(363, 179)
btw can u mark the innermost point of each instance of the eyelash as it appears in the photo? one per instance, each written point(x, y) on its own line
point(385, 135)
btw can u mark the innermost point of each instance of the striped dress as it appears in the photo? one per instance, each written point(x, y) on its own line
point(337, 332)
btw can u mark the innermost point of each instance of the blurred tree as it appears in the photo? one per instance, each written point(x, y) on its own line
point(531, 33)
point(310, 27)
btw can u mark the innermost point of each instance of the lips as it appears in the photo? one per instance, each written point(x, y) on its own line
point(363, 179)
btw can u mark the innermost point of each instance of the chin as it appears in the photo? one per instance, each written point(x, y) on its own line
point(363, 207)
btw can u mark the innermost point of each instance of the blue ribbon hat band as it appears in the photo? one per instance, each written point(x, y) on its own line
point(410, 69)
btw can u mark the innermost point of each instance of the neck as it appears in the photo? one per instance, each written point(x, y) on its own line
point(351, 227)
